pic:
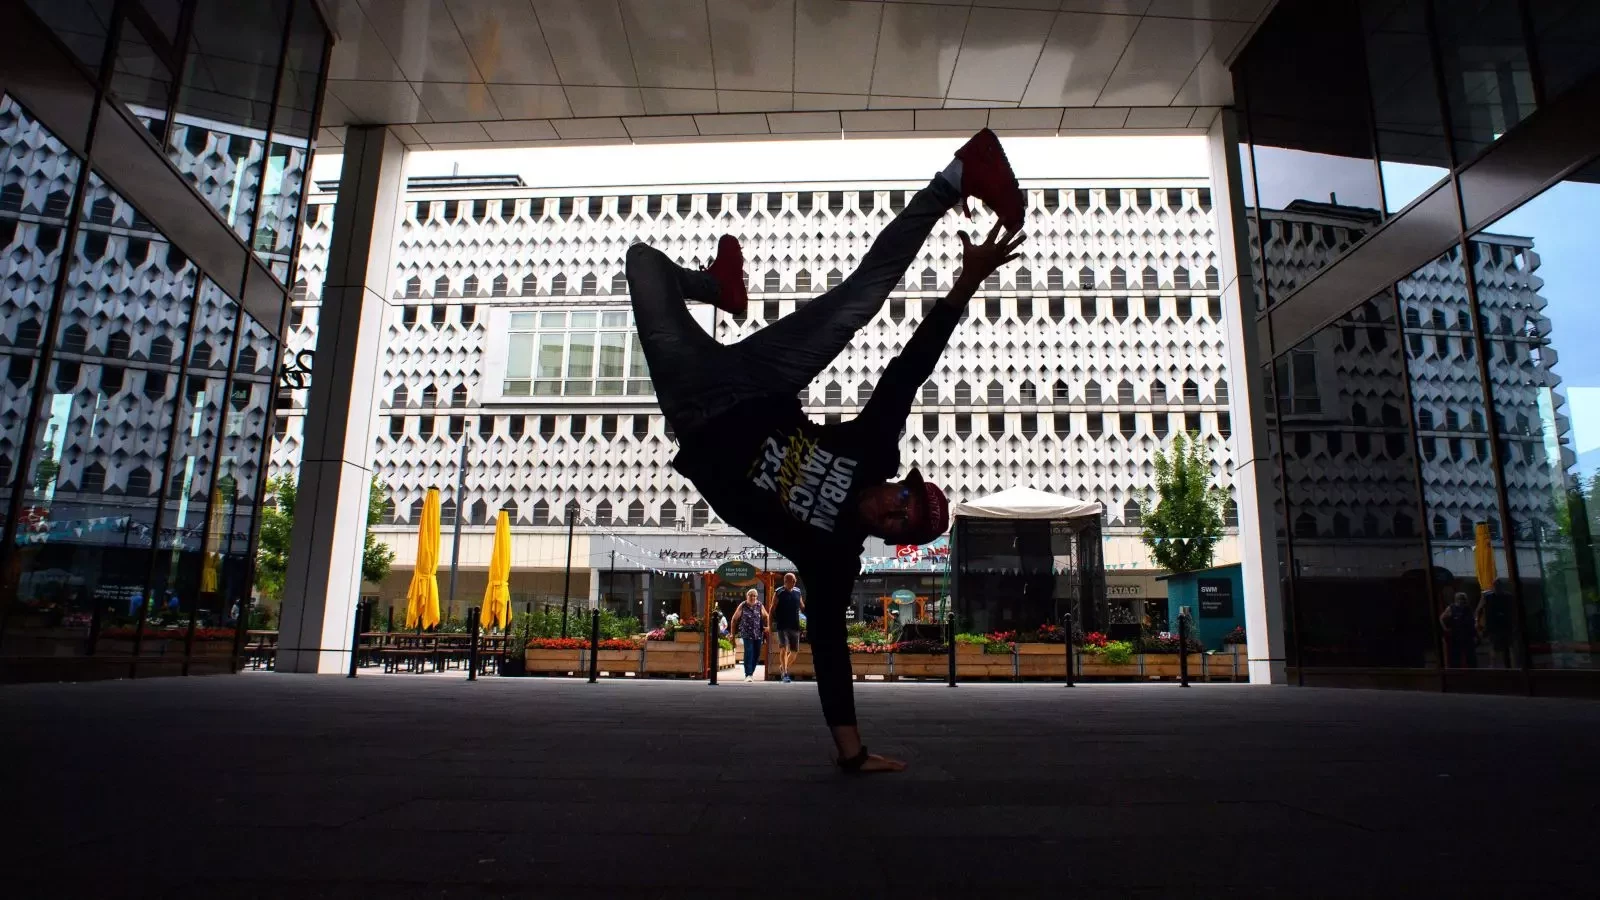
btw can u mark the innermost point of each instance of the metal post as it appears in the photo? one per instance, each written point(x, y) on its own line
point(611, 572)
point(712, 629)
point(355, 639)
point(594, 646)
point(566, 585)
point(472, 645)
point(1183, 648)
point(461, 513)
point(1066, 625)
point(950, 645)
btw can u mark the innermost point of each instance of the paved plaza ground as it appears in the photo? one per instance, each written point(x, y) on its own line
point(268, 785)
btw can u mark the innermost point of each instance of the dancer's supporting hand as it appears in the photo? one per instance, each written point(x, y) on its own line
point(979, 261)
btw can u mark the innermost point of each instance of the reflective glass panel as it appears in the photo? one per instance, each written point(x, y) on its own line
point(80, 24)
point(219, 134)
point(1458, 480)
point(96, 466)
point(1413, 152)
point(1534, 274)
point(1311, 131)
point(1565, 34)
point(142, 79)
point(1487, 80)
point(37, 178)
point(240, 472)
point(289, 154)
point(1358, 563)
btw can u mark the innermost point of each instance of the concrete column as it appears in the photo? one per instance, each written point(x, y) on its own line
point(325, 547)
point(1254, 470)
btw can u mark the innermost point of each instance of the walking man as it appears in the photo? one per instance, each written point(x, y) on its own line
point(787, 605)
point(814, 492)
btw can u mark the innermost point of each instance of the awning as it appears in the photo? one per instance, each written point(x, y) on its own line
point(1026, 503)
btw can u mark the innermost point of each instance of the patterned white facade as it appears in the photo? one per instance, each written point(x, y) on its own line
point(1071, 369)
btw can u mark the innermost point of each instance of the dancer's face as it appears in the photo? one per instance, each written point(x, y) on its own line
point(888, 509)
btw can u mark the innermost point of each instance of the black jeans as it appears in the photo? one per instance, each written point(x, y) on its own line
point(696, 377)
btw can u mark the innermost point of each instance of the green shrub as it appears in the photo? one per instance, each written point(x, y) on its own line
point(1117, 652)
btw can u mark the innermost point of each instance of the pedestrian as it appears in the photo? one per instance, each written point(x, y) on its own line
point(787, 604)
point(1494, 621)
point(750, 623)
point(1461, 633)
point(815, 492)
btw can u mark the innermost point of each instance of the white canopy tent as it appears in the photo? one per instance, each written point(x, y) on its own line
point(1026, 503)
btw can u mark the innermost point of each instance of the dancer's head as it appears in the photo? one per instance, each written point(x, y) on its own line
point(909, 511)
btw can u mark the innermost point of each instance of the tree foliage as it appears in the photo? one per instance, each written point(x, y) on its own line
point(1184, 524)
point(272, 550)
point(277, 523)
point(376, 558)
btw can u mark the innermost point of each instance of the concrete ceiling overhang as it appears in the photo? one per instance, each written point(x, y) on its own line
point(453, 74)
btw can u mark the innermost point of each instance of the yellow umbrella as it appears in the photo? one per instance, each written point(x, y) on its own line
point(1483, 556)
point(422, 600)
point(497, 597)
point(210, 572)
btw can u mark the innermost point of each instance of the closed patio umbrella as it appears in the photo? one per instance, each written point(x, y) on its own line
point(422, 599)
point(216, 525)
point(1483, 556)
point(497, 597)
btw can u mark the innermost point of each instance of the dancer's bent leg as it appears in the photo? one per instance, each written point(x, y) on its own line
point(683, 359)
point(792, 351)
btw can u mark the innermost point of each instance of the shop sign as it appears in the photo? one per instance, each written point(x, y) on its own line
point(1216, 598)
point(736, 571)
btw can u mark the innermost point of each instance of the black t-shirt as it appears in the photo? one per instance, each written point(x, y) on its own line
point(792, 484)
point(786, 610)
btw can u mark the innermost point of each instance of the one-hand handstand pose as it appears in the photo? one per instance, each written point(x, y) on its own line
point(814, 492)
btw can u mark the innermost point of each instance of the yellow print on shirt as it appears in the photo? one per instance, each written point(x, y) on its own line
point(811, 483)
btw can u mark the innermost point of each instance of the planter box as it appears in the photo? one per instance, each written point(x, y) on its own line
point(555, 662)
point(800, 668)
point(923, 665)
point(1042, 660)
point(1094, 667)
point(677, 657)
point(616, 662)
point(685, 637)
point(864, 664)
point(1165, 665)
point(973, 663)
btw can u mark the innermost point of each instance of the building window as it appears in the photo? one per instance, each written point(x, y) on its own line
point(1131, 514)
point(1091, 392)
point(699, 515)
point(397, 426)
point(1030, 425)
point(963, 425)
point(1297, 384)
point(574, 353)
point(515, 425)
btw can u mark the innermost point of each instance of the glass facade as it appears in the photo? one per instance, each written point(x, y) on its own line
point(137, 386)
point(1436, 451)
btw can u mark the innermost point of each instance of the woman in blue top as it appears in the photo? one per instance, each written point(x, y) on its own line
point(750, 622)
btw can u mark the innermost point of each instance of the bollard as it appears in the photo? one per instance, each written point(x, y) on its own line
point(950, 646)
point(1183, 649)
point(355, 640)
point(472, 645)
point(594, 646)
point(1066, 625)
point(713, 631)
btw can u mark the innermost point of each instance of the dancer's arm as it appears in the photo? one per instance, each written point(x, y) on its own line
point(903, 377)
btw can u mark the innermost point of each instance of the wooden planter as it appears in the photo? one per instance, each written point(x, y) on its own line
point(1094, 666)
point(800, 668)
point(616, 662)
point(1042, 661)
point(678, 657)
point(685, 637)
point(923, 665)
point(864, 664)
point(973, 663)
point(555, 662)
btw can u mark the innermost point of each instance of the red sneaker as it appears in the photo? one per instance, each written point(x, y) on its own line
point(986, 174)
point(728, 270)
